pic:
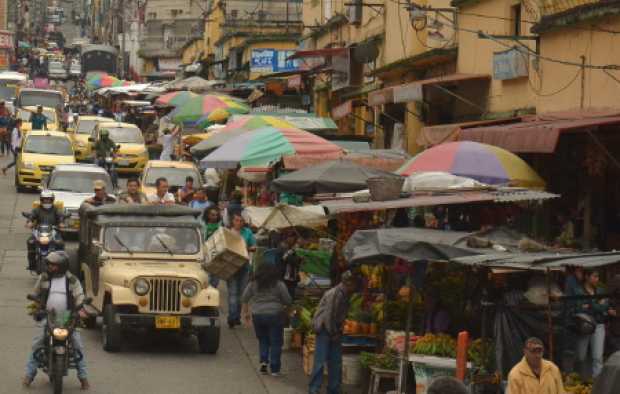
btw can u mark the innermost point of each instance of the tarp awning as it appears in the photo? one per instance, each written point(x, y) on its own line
point(318, 53)
point(438, 134)
point(539, 134)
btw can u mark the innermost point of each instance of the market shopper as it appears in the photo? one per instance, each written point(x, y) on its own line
point(239, 280)
point(265, 301)
point(328, 323)
point(199, 200)
point(235, 206)
point(16, 141)
point(600, 312)
point(533, 374)
point(186, 193)
point(212, 222)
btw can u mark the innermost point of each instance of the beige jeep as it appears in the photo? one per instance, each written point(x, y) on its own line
point(142, 267)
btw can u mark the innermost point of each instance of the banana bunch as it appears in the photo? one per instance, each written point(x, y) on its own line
point(32, 308)
point(439, 345)
point(579, 389)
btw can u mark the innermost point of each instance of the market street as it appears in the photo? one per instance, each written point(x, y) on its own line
point(150, 365)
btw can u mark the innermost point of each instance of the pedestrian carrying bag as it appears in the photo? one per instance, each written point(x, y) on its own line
point(584, 324)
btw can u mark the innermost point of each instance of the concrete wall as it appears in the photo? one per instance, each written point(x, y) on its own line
point(476, 55)
point(167, 9)
point(599, 48)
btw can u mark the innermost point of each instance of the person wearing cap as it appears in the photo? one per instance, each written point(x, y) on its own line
point(101, 197)
point(58, 290)
point(534, 374)
point(328, 323)
point(38, 119)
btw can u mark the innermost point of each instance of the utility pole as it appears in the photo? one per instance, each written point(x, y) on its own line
point(122, 24)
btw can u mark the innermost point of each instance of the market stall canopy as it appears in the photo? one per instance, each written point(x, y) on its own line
point(196, 84)
point(541, 261)
point(215, 140)
point(195, 111)
point(409, 244)
point(435, 180)
point(265, 146)
point(338, 176)
point(485, 163)
point(103, 80)
point(285, 216)
point(380, 159)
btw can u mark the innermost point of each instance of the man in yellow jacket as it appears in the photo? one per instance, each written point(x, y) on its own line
point(533, 374)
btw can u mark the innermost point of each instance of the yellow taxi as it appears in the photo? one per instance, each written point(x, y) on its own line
point(24, 114)
point(40, 152)
point(83, 131)
point(132, 154)
point(175, 173)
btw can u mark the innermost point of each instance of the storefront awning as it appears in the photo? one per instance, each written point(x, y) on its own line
point(438, 134)
point(318, 53)
point(413, 91)
point(541, 133)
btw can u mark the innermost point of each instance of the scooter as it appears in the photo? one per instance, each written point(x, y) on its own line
point(58, 354)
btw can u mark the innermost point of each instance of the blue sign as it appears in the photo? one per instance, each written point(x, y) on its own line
point(272, 61)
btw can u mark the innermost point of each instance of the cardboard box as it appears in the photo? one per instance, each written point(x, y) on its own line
point(226, 253)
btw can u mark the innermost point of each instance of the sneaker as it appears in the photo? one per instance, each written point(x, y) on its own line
point(84, 384)
point(263, 369)
point(276, 374)
point(27, 381)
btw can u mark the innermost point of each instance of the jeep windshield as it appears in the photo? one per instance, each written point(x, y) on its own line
point(164, 240)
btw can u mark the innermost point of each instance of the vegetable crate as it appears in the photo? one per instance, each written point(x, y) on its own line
point(226, 253)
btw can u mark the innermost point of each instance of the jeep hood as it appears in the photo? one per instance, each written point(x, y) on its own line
point(130, 269)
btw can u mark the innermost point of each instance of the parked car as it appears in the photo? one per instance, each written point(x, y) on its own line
point(72, 184)
point(142, 266)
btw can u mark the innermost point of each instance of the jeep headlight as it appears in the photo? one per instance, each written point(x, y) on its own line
point(189, 288)
point(60, 334)
point(141, 286)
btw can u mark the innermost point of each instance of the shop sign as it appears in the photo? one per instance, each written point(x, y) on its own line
point(342, 110)
point(6, 39)
point(509, 64)
point(294, 82)
point(380, 97)
point(341, 74)
point(169, 64)
point(265, 60)
point(408, 92)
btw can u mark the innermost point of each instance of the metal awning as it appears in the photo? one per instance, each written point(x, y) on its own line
point(500, 196)
point(438, 134)
point(413, 91)
point(318, 53)
point(541, 133)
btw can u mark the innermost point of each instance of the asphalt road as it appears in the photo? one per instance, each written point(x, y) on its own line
point(147, 364)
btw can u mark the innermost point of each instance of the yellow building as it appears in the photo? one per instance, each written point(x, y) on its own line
point(236, 31)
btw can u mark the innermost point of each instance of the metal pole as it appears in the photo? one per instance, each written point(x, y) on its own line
point(122, 24)
point(404, 360)
point(583, 81)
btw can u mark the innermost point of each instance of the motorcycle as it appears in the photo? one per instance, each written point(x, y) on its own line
point(58, 354)
point(47, 240)
point(108, 164)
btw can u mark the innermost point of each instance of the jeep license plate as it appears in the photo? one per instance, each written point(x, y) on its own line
point(167, 322)
point(123, 163)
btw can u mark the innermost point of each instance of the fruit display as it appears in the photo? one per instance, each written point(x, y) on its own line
point(573, 384)
point(386, 360)
point(482, 355)
point(439, 345)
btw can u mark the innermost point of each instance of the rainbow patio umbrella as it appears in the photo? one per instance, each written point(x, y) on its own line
point(176, 98)
point(485, 163)
point(195, 111)
point(264, 146)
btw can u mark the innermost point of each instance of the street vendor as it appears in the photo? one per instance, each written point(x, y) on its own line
point(533, 374)
point(436, 318)
point(328, 323)
point(238, 282)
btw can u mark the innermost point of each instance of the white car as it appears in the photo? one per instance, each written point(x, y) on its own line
point(75, 70)
point(72, 184)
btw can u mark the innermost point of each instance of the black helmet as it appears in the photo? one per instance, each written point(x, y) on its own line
point(59, 258)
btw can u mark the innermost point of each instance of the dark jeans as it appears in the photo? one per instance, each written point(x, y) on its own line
point(12, 164)
point(328, 351)
point(236, 285)
point(269, 331)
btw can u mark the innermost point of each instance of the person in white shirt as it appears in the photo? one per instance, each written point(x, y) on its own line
point(167, 142)
point(58, 290)
point(162, 195)
point(16, 142)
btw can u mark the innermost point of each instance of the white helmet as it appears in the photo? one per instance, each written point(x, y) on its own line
point(47, 199)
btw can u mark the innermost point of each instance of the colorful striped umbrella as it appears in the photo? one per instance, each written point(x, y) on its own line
point(195, 111)
point(103, 80)
point(485, 163)
point(176, 98)
point(264, 146)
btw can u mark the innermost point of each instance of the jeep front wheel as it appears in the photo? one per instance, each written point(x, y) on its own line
point(209, 340)
point(110, 330)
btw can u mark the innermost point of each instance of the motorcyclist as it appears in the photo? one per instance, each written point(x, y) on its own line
point(58, 290)
point(45, 213)
point(104, 147)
